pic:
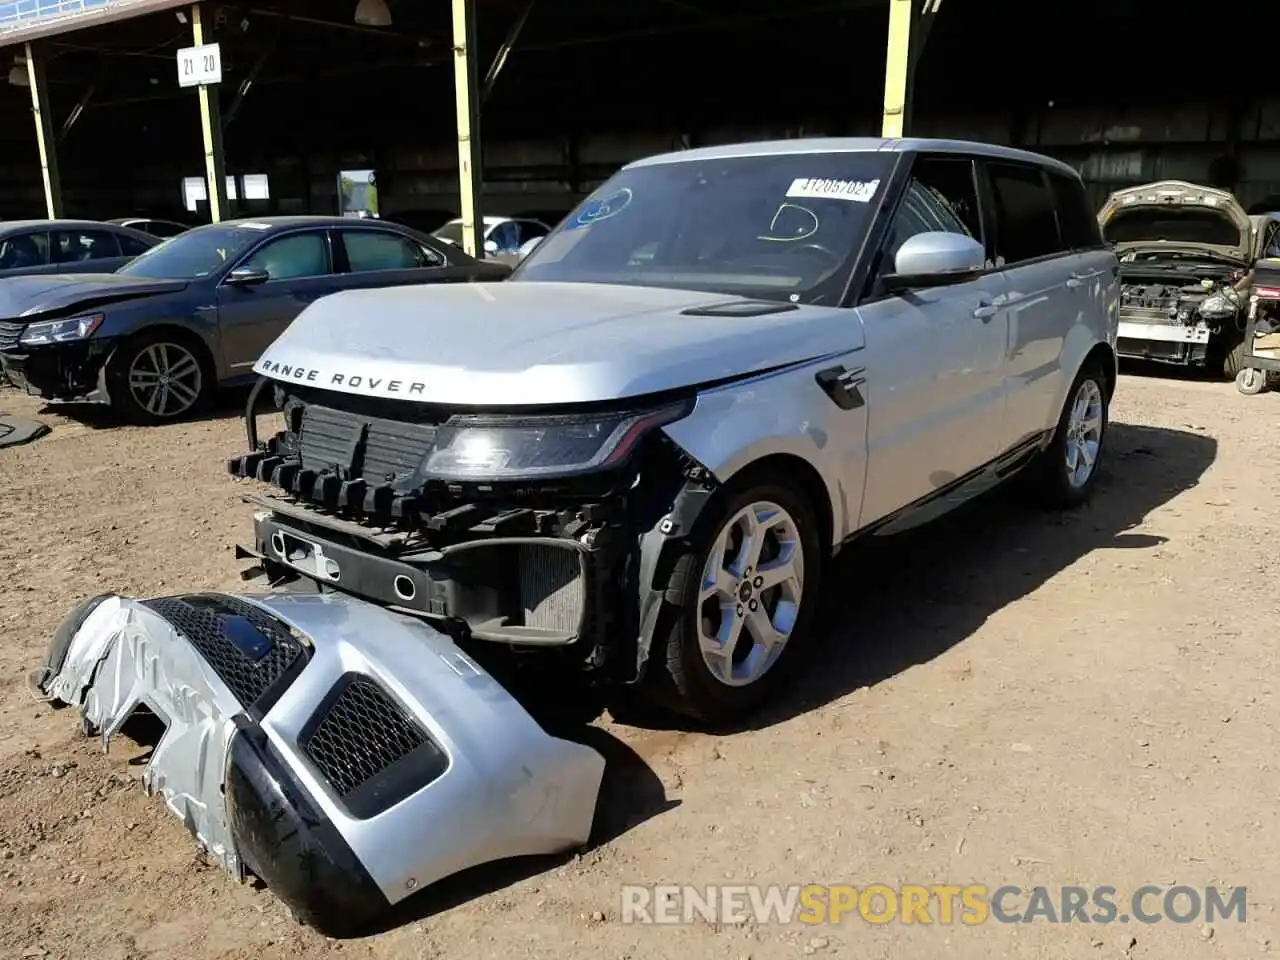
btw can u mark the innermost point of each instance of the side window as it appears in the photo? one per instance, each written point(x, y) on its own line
point(369, 250)
point(1026, 222)
point(293, 257)
point(941, 196)
point(506, 236)
point(24, 250)
point(131, 246)
point(1079, 225)
point(529, 230)
point(78, 246)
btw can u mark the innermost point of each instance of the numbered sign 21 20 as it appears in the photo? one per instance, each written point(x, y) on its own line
point(198, 66)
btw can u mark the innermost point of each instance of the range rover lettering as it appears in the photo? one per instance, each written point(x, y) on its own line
point(632, 461)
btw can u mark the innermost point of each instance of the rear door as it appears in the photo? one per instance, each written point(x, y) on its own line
point(1041, 305)
point(935, 392)
point(86, 251)
point(300, 268)
point(370, 257)
point(24, 254)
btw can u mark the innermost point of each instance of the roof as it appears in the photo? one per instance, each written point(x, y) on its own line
point(301, 220)
point(780, 148)
point(8, 226)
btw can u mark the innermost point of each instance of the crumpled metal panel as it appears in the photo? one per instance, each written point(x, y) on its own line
point(124, 655)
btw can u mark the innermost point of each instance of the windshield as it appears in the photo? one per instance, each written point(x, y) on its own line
point(195, 254)
point(776, 227)
point(1176, 225)
point(451, 232)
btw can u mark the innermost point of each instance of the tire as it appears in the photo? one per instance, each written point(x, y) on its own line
point(722, 688)
point(178, 366)
point(1233, 362)
point(1084, 418)
point(1251, 382)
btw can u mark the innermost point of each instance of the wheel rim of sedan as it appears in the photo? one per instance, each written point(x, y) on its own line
point(165, 379)
point(1084, 433)
point(749, 598)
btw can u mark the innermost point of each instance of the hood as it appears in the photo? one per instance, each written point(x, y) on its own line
point(532, 343)
point(1180, 214)
point(22, 297)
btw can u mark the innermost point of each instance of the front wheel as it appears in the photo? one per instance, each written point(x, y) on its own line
point(1064, 474)
point(744, 597)
point(159, 377)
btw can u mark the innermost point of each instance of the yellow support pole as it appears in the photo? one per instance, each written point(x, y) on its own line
point(46, 139)
point(897, 68)
point(215, 163)
point(464, 82)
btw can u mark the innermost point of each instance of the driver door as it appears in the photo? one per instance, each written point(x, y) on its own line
point(935, 392)
point(300, 271)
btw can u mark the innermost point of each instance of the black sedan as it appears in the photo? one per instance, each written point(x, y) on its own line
point(30, 247)
point(155, 339)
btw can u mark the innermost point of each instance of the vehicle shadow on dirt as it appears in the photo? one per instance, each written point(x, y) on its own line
point(893, 603)
point(630, 794)
point(228, 404)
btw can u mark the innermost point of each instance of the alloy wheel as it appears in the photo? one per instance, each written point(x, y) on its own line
point(165, 379)
point(1084, 433)
point(752, 585)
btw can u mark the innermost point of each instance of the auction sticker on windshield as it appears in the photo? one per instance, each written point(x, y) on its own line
point(819, 188)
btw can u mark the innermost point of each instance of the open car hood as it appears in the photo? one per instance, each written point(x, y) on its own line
point(526, 343)
point(1178, 214)
point(307, 737)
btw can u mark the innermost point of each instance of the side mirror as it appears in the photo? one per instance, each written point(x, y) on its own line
point(936, 259)
point(527, 247)
point(491, 247)
point(246, 277)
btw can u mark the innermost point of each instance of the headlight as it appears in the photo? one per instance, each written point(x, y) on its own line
point(60, 331)
point(511, 447)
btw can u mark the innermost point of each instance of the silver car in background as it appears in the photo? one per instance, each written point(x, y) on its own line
point(632, 461)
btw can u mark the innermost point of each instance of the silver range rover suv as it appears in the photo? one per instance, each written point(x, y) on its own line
point(631, 462)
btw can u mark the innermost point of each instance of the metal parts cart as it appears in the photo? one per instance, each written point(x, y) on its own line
point(1260, 362)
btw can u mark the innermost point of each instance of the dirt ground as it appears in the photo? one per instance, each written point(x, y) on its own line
point(1002, 698)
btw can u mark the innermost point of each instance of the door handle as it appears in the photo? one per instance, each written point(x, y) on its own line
point(1075, 282)
point(985, 310)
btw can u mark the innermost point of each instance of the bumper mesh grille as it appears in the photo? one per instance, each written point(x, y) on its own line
point(370, 751)
point(9, 334)
point(247, 648)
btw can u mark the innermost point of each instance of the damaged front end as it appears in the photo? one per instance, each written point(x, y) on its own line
point(523, 532)
point(70, 367)
point(346, 756)
point(1173, 313)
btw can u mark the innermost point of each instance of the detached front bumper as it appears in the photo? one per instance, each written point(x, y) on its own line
point(70, 371)
point(347, 756)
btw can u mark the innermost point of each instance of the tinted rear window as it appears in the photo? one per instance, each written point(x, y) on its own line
point(1079, 224)
point(1026, 222)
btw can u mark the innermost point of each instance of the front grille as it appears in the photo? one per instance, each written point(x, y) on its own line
point(369, 448)
point(372, 754)
point(10, 332)
point(551, 589)
point(248, 649)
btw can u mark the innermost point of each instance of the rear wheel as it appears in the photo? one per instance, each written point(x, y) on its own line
point(159, 376)
point(1065, 473)
point(744, 597)
point(1233, 363)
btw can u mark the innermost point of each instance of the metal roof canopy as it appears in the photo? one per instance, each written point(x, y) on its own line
point(66, 16)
